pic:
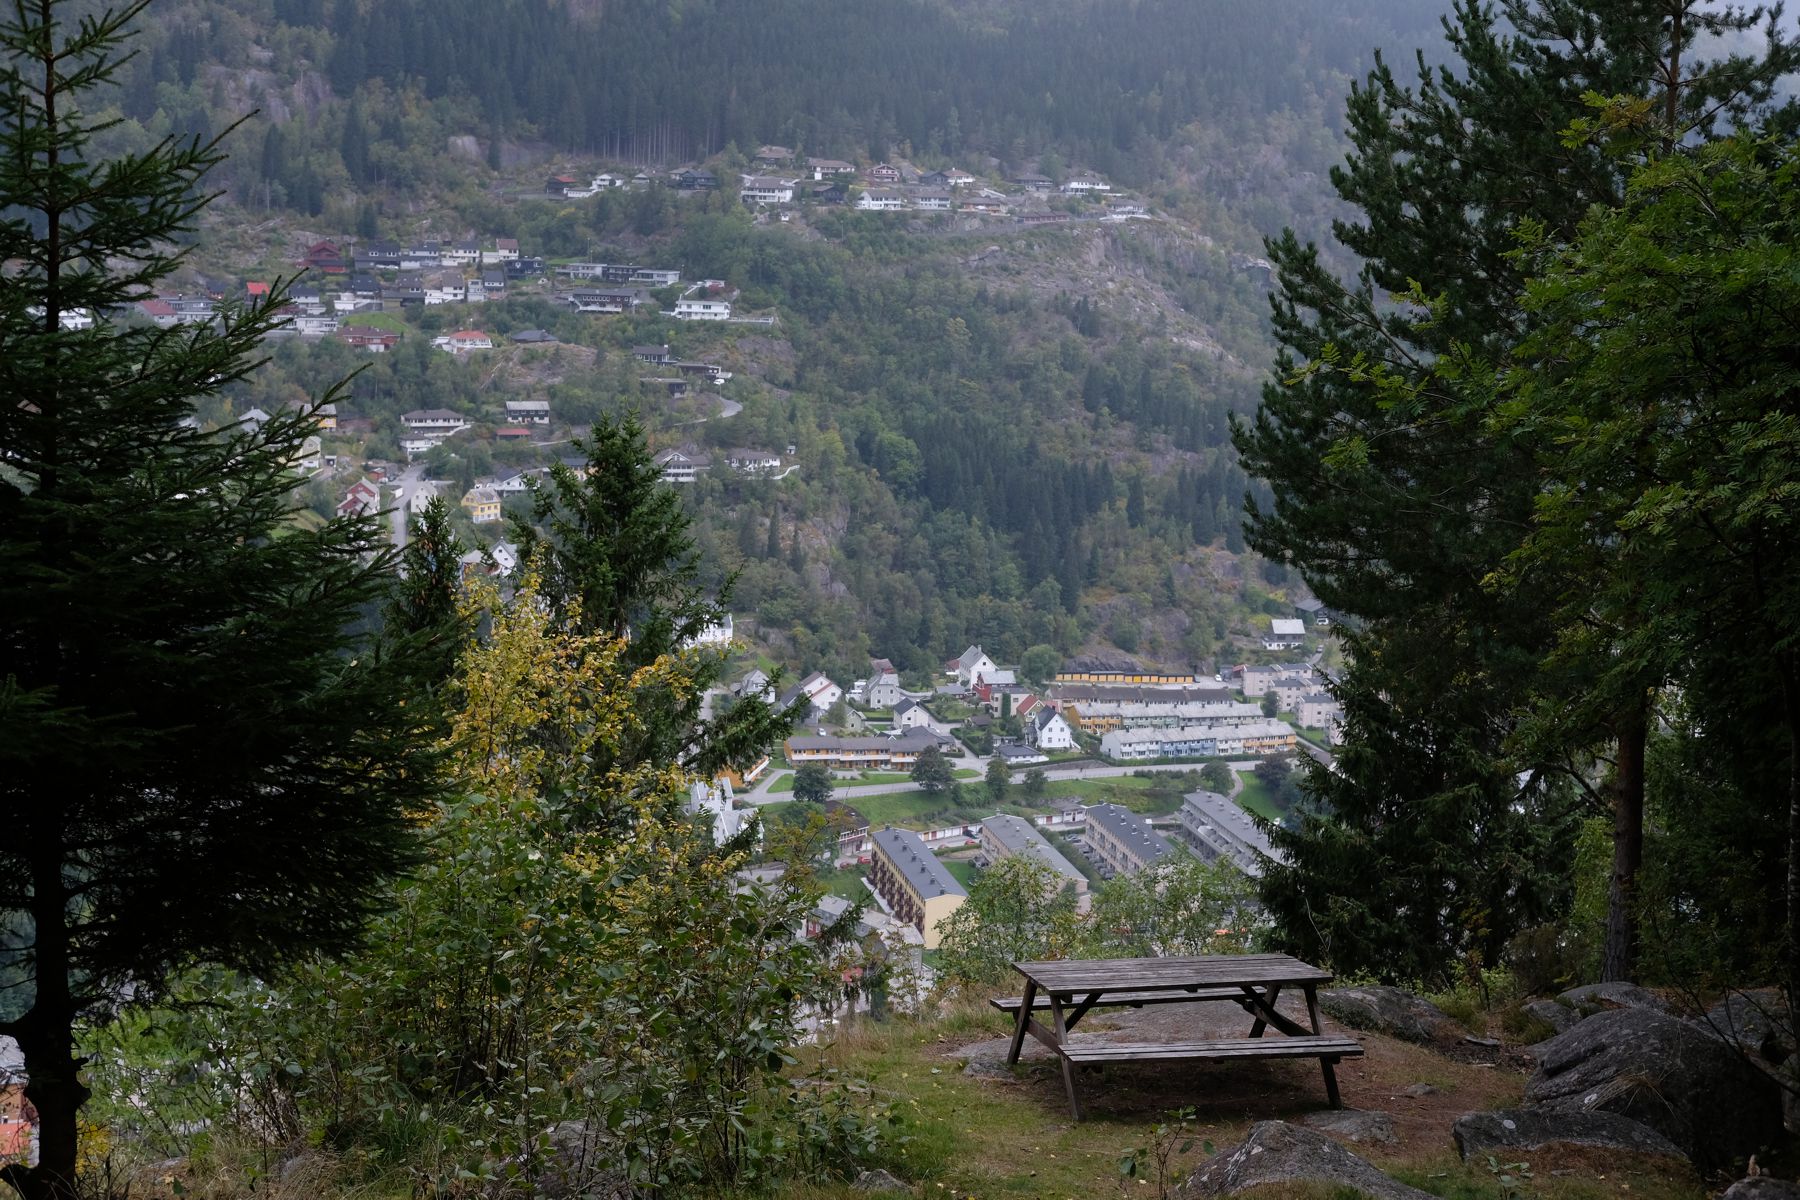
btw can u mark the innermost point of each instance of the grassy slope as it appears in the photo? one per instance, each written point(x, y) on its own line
point(986, 1138)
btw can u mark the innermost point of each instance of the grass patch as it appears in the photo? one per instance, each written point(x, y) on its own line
point(961, 869)
point(386, 322)
point(1257, 798)
point(1152, 796)
point(783, 783)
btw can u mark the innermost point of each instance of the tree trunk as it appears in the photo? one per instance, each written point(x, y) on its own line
point(1790, 957)
point(46, 1037)
point(1619, 958)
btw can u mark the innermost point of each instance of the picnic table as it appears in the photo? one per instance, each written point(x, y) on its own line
point(1070, 989)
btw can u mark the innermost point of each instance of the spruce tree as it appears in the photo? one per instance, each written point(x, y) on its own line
point(200, 762)
point(617, 557)
point(1396, 503)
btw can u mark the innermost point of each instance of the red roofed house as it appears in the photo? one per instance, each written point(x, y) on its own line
point(375, 341)
point(324, 256)
point(256, 289)
point(513, 433)
point(363, 499)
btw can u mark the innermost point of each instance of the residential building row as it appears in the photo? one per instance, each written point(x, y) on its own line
point(1121, 841)
point(1005, 835)
point(1219, 828)
point(1261, 738)
point(894, 752)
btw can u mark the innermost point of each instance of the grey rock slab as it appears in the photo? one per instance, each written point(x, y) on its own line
point(1415, 1091)
point(1762, 1187)
point(1389, 1010)
point(1531, 1128)
point(1757, 1020)
point(1276, 1152)
point(1557, 1016)
point(1600, 997)
point(1669, 1074)
point(1354, 1125)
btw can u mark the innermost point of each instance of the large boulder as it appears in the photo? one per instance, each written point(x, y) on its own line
point(1354, 1125)
point(1666, 1073)
point(1391, 1011)
point(1603, 997)
point(1762, 1187)
point(1556, 1015)
point(1531, 1128)
point(1758, 1021)
point(1276, 1152)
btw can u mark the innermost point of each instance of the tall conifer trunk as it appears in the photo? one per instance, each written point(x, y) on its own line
point(1619, 957)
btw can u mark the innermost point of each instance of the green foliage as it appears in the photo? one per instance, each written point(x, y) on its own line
point(1217, 777)
point(203, 760)
point(998, 780)
point(1179, 906)
point(933, 773)
point(1017, 911)
point(812, 784)
point(1381, 412)
point(1033, 785)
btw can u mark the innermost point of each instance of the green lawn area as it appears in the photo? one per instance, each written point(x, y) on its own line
point(786, 782)
point(961, 869)
point(1153, 797)
point(783, 783)
point(386, 322)
point(846, 883)
point(1256, 798)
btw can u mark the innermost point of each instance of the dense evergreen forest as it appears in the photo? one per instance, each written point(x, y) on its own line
point(364, 94)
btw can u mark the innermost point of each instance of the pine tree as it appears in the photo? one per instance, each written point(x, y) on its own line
point(200, 763)
point(1391, 496)
point(618, 558)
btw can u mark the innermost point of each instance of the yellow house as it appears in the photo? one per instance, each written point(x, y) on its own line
point(916, 886)
point(483, 504)
point(328, 416)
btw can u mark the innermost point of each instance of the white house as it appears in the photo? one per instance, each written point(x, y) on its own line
point(1085, 181)
point(753, 462)
point(422, 494)
point(766, 189)
point(718, 633)
point(1285, 633)
point(969, 664)
point(528, 412)
point(932, 200)
point(463, 341)
point(910, 714)
point(1048, 731)
point(883, 690)
point(881, 200)
point(438, 422)
point(681, 468)
point(701, 308)
point(505, 250)
point(716, 803)
point(820, 691)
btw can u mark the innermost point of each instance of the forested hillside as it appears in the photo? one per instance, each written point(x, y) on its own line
point(1012, 436)
point(366, 93)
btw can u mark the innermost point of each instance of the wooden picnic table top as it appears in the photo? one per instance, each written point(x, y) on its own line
point(1068, 976)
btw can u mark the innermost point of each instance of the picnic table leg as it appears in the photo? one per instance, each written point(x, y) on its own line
point(1328, 1065)
point(1018, 1041)
point(1273, 994)
point(1068, 1068)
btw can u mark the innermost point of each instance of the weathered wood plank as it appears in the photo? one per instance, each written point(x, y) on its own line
point(1010, 1004)
point(1147, 974)
point(1242, 1048)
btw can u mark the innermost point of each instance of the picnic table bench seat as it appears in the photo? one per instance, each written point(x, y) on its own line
point(1041, 1002)
point(1069, 989)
